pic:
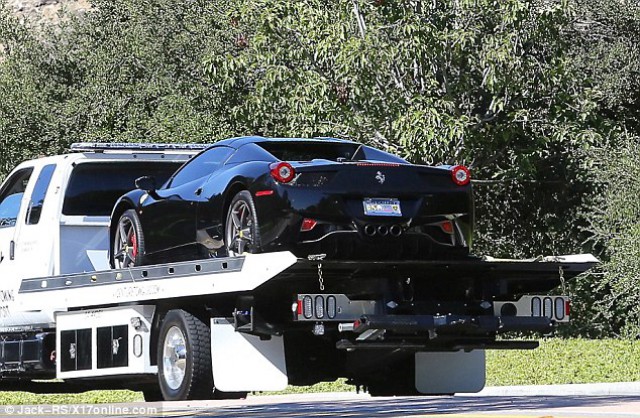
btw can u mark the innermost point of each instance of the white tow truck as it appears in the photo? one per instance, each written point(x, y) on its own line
point(221, 327)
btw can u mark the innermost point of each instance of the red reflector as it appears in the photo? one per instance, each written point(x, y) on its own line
point(282, 172)
point(460, 175)
point(264, 193)
point(356, 323)
point(299, 307)
point(447, 227)
point(308, 224)
point(567, 307)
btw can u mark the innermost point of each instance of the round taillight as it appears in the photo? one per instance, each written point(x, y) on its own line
point(460, 175)
point(282, 172)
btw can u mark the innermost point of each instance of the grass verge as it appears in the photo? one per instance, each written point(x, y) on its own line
point(557, 361)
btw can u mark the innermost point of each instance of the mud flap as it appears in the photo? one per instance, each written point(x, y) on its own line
point(243, 363)
point(450, 372)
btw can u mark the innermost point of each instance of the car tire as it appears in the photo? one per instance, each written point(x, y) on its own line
point(184, 357)
point(128, 241)
point(242, 232)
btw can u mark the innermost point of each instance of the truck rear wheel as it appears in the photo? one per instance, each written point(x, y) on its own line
point(184, 357)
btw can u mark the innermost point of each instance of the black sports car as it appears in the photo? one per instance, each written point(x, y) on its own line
point(308, 196)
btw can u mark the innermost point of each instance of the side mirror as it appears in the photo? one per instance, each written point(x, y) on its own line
point(146, 183)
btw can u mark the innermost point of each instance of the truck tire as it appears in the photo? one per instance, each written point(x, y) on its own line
point(184, 357)
point(128, 241)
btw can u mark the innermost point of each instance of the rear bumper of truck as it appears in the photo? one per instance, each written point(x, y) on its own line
point(441, 332)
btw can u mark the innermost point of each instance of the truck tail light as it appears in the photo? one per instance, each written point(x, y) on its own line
point(331, 307)
point(536, 307)
point(307, 307)
point(560, 308)
point(298, 307)
point(547, 307)
point(319, 307)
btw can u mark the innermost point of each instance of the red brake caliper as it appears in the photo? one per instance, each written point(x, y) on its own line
point(134, 244)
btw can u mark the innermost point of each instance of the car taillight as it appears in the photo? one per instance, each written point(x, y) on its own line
point(282, 172)
point(447, 227)
point(308, 225)
point(460, 175)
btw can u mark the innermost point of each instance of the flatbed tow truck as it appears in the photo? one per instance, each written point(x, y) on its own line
point(222, 327)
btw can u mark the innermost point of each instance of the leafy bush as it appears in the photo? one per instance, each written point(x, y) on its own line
point(521, 91)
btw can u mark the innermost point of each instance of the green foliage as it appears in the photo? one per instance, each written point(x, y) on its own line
point(486, 83)
point(616, 223)
point(521, 91)
point(90, 397)
point(565, 361)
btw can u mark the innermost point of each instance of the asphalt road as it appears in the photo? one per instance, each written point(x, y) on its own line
point(339, 405)
point(570, 401)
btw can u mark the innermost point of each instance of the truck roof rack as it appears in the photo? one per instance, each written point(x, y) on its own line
point(119, 146)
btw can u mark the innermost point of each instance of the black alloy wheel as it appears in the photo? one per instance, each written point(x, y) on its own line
point(128, 243)
point(242, 234)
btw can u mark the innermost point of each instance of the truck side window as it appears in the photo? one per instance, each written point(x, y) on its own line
point(11, 196)
point(39, 193)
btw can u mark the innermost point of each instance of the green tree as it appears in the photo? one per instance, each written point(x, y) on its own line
point(521, 91)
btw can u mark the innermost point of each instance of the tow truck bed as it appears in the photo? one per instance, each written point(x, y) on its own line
point(509, 277)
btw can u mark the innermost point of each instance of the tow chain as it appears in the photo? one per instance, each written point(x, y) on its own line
point(320, 278)
point(319, 258)
point(563, 283)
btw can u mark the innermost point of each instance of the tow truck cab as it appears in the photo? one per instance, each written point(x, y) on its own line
point(54, 211)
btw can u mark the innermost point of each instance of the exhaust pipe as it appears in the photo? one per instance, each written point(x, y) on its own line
point(383, 230)
point(395, 230)
point(345, 327)
point(369, 230)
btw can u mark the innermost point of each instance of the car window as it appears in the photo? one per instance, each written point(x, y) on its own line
point(39, 193)
point(372, 154)
point(95, 187)
point(250, 152)
point(201, 165)
point(309, 150)
point(11, 196)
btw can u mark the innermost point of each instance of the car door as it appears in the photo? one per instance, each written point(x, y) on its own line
point(169, 219)
point(12, 196)
point(34, 255)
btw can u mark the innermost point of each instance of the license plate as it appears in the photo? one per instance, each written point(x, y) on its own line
point(381, 207)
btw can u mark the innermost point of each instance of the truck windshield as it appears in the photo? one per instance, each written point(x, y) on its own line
point(11, 196)
point(96, 186)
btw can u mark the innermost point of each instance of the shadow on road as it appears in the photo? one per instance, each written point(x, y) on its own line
point(402, 407)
